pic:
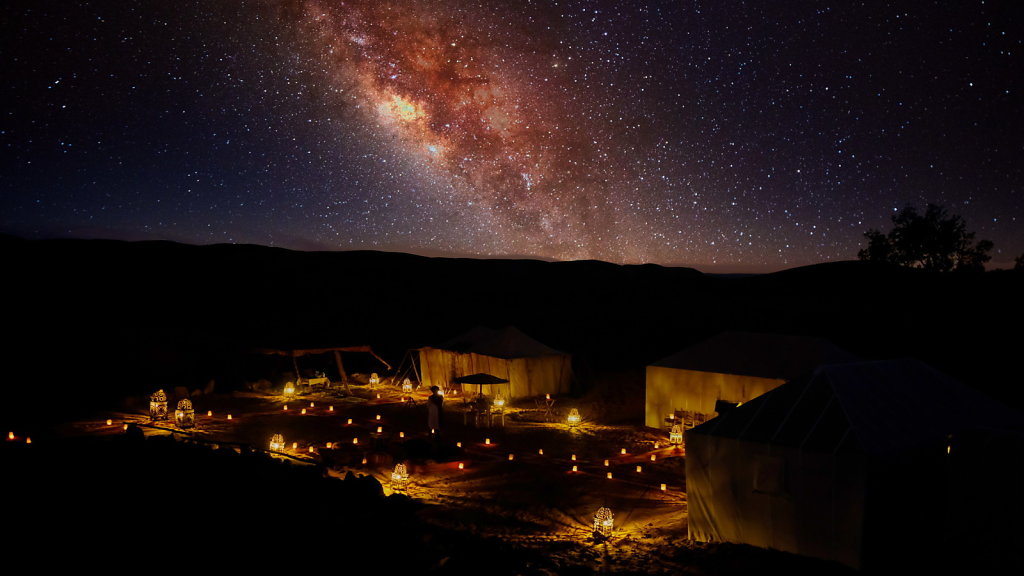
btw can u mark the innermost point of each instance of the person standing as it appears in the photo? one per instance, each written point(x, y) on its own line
point(434, 409)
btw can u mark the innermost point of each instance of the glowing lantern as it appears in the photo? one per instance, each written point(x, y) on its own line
point(609, 475)
point(664, 487)
point(656, 445)
point(675, 437)
point(638, 469)
point(229, 416)
point(604, 523)
point(10, 435)
point(573, 457)
point(312, 405)
point(574, 418)
point(462, 466)
point(364, 461)
point(277, 442)
point(125, 427)
point(295, 445)
point(378, 395)
point(606, 462)
point(511, 457)
point(406, 386)
point(285, 407)
point(355, 440)
point(349, 421)
point(185, 415)
point(487, 441)
point(289, 389)
point(378, 416)
point(653, 457)
point(547, 396)
point(209, 412)
point(540, 451)
point(575, 468)
point(158, 406)
point(330, 409)
point(374, 380)
point(458, 444)
point(401, 434)
point(310, 449)
point(109, 421)
point(28, 440)
point(303, 411)
point(329, 445)
point(380, 429)
point(623, 451)
point(499, 402)
point(400, 477)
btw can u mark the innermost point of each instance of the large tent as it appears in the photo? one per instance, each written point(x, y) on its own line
point(731, 367)
point(870, 464)
point(530, 367)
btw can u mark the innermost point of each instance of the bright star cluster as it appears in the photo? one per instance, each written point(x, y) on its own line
point(727, 135)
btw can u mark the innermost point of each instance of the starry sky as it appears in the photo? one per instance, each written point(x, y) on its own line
point(730, 136)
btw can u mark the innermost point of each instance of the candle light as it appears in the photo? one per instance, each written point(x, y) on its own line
point(378, 416)
point(109, 421)
point(355, 440)
point(541, 451)
point(364, 461)
point(303, 411)
point(10, 435)
point(609, 475)
point(311, 405)
point(487, 440)
point(606, 462)
point(623, 451)
point(209, 412)
point(401, 434)
point(459, 444)
point(229, 416)
point(349, 421)
point(28, 440)
point(664, 487)
point(573, 457)
point(574, 468)
point(461, 466)
point(295, 445)
point(125, 427)
point(329, 445)
point(511, 457)
point(380, 429)
point(285, 407)
point(638, 469)
point(330, 408)
point(653, 457)
point(310, 449)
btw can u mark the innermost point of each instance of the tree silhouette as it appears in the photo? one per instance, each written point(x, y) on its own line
point(932, 241)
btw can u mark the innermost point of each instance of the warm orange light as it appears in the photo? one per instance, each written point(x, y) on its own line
point(330, 409)
point(653, 457)
point(573, 457)
point(10, 435)
point(664, 487)
point(28, 440)
point(303, 411)
point(378, 396)
point(623, 451)
point(638, 469)
point(401, 434)
point(229, 416)
point(355, 440)
point(285, 407)
point(310, 449)
point(295, 445)
point(209, 412)
point(656, 444)
point(574, 468)
point(547, 396)
point(125, 427)
point(606, 462)
point(487, 440)
point(312, 405)
point(349, 420)
point(380, 429)
point(609, 475)
point(511, 457)
point(364, 461)
point(329, 445)
point(540, 451)
point(458, 444)
point(461, 466)
point(378, 416)
point(109, 421)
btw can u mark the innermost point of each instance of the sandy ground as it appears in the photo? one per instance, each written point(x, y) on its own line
point(513, 481)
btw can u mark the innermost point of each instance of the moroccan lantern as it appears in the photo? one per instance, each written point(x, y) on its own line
point(374, 380)
point(675, 437)
point(400, 477)
point(574, 418)
point(406, 386)
point(499, 402)
point(604, 523)
point(277, 442)
point(289, 389)
point(185, 415)
point(158, 406)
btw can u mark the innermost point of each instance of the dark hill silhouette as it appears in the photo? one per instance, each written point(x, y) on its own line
point(105, 317)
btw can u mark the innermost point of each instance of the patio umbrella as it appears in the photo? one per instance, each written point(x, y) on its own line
point(481, 379)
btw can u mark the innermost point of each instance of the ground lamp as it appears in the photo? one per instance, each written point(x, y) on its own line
point(406, 386)
point(277, 442)
point(604, 522)
point(574, 418)
point(374, 380)
point(158, 406)
point(400, 477)
point(185, 415)
point(289, 389)
point(675, 437)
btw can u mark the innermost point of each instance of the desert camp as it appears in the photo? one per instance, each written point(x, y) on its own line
point(180, 417)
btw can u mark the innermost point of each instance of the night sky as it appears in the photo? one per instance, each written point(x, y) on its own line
point(723, 135)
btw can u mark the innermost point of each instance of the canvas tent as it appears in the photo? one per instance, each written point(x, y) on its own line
point(869, 464)
point(530, 367)
point(731, 367)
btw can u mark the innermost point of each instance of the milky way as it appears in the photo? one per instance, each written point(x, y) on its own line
point(723, 135)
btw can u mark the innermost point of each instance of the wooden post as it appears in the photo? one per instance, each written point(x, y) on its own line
point(341, 371)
